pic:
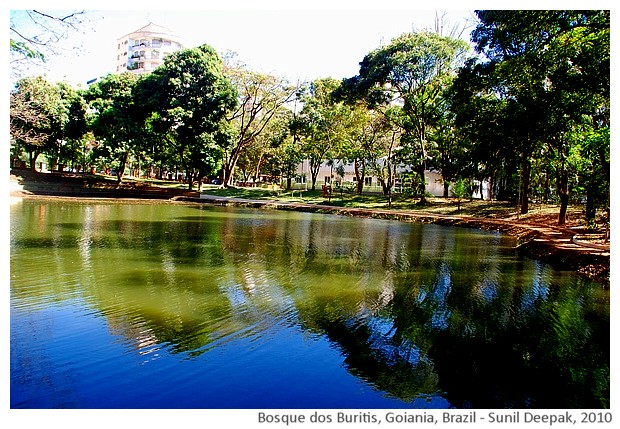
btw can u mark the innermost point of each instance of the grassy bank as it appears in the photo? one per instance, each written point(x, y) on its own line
point(538, 213)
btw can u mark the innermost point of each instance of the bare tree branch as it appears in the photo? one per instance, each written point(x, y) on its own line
point(36, 35)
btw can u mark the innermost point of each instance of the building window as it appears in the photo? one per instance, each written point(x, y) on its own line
point(328, 180)
point(367, 181)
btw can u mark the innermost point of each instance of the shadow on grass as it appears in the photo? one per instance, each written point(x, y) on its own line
point(501, 210)
point(436, 205)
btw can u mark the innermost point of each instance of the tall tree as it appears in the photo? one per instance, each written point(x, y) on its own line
point(482, 124)
point(450, 157)
point(287, 158)
point(117, 121)
point(261, 97)
point(321, 124)
point(551, 68)
point(384, 167)
point(69, 143)
point(411, 72)
point(366, 134)
point(187, 100)
point(38, 116)
point(264, 156)
point(594, 153)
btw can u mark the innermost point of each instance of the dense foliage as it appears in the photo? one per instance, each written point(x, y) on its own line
point(539, 88)
point(528, 112)
point(185, 102)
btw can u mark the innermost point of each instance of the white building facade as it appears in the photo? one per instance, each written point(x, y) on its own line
point(146, 48)
point(328, 175)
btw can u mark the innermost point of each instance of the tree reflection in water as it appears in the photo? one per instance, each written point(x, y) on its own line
point(418, 311)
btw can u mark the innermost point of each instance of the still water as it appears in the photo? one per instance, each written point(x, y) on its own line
point(190, 306)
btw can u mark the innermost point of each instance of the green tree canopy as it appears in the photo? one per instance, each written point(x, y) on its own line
point(410, 72)
point(40, 114)
point(188, 99)
point(549, 72)
point(116, 122)
point(261, 98)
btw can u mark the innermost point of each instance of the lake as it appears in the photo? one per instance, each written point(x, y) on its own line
point(171, 305)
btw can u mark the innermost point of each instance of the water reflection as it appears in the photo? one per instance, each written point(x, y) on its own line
point(425, 315)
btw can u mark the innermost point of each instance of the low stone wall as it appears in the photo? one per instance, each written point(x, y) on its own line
point(27, 182)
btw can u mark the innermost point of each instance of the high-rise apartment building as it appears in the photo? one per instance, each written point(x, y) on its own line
point(144, 49)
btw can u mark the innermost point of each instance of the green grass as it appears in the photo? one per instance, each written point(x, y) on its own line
point(545, 213)
point(540, 213)
point(369, 201)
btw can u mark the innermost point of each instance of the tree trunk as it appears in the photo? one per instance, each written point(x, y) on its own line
point(314, 172)
point(121, 168)
point(227, 175)
point(388, 182)
point(422, 184)
point(246, 177)
point(563, 194)
point(446, 189)
point(190, 179)
point(385, 187)
point(33, 160)
point(525, 186)
point(229, 167)
point(590, 205)
point(546, 193)
point(258, 166)
point(359, 176)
